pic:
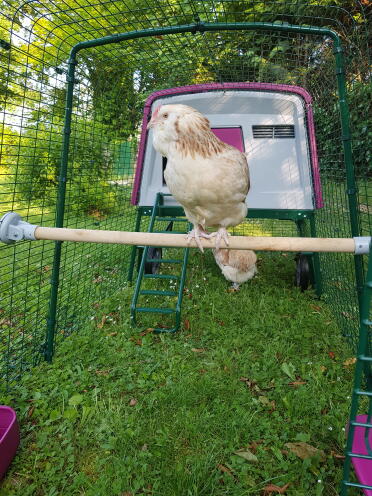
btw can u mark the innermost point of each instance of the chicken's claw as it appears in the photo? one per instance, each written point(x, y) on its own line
point(196, 234)
point(219, 235)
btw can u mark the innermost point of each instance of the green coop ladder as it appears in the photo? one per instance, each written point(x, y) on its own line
point(362, 388)
point(178, 275)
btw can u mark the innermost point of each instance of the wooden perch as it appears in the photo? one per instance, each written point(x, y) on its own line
point(264, 243)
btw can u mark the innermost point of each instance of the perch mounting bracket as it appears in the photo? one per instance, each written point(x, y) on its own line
point(13, 228)
point(362, 245)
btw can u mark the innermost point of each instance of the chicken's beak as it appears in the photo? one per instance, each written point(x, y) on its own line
point(151, 124)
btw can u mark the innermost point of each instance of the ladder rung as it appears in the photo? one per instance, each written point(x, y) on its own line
point(167, 330)
point(359, 455)
point(365, 358)
point(160, 276)
point(361, 424)
point(155, 292)
point(355, 484)
point(164, 260)
point(172, 219)
point(363, 393)
point(155, 310)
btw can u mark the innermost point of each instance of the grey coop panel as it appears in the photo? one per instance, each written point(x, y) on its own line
point(272, 127)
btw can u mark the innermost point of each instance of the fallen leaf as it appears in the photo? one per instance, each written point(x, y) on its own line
point(288, 369)
point(264, 400)
point(349, 361)
point(149, 330)
point(332, 355)
point(304, 450)
point(102, 323)
point(254, 445)
point(112, 334)
point(198, 350)
point(144, 447)
point(46, 268)
point(133, 402)
point(339, 456)
point(30, 411)
point(317, 308)
point(347, 315)
point(186, 325)
point(202, 371)
point(296, 383)
point(7, 322)
point(322, 368)
point(365, 208)
point(225, 470)
point(247, 455)
point(103, 372)
point(98, 279)
point(272, 488)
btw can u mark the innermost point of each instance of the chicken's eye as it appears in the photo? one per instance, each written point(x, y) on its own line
point(165, 116)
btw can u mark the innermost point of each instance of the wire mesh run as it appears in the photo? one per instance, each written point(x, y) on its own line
point(110, 86)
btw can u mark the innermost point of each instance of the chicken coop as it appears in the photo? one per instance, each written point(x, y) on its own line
point(287, 83)
point(273, 125)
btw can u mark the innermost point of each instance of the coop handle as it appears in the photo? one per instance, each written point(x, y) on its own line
point(13, 228)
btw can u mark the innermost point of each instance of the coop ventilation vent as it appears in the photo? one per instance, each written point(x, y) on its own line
point(280, 131)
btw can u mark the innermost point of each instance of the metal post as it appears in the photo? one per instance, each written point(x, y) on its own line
point(348, 159)
point(54, 282)
point(134, 248)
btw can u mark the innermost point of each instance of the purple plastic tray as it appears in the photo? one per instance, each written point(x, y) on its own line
point(9, 437)
point(362, 467)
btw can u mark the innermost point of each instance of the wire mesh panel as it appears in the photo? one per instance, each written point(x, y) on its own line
point(110, 85)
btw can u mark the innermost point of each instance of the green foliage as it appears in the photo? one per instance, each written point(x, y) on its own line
point(34, 160)
point(328, 131)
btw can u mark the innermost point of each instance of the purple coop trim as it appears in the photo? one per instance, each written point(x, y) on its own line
point(200, 88)
point(362, 466)
point(9, 437)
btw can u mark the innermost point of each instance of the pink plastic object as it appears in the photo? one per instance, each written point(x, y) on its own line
point(362, 467)
point(231, 135)
point(9, 437)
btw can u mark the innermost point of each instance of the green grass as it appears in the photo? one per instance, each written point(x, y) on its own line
point(121, 412)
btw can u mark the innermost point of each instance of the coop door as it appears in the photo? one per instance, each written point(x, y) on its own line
point(231, 135)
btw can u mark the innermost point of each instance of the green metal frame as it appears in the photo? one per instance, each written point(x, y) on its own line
point(200, 27)
point(363, 372)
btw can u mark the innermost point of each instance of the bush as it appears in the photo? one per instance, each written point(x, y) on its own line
point(329, 131)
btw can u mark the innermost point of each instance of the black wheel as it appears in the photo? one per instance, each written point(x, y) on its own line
point(155, 252)
point(153, 267)
point(302, 276)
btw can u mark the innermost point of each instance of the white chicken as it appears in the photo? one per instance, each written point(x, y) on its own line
point(237, 266)
point(208, 177)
